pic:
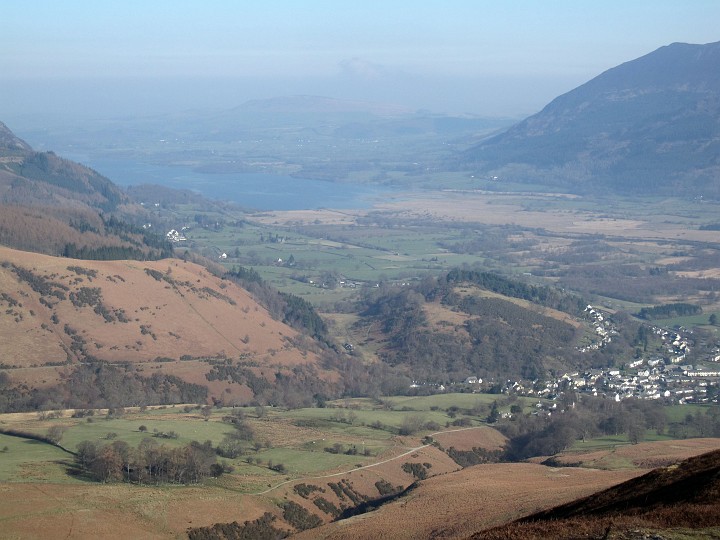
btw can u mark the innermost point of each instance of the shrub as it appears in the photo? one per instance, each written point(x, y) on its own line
point(299, 517)
point(305, 490)
point(411, 424)
point(326, 506)
point(418, 470)
point(55, 434)
point(279, 467)
point(386, 488)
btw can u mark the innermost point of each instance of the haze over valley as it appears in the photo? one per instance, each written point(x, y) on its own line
point(381, 271)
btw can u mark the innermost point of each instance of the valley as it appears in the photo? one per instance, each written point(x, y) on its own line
point(301, 454)
point(335, 319)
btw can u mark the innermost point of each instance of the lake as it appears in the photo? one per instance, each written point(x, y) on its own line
point(250, 190)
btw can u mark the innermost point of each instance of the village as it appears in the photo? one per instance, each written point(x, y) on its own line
point(666, 377)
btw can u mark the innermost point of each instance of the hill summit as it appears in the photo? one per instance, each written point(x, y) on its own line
point(43, 179)
point(9, 142)
point(648, 125)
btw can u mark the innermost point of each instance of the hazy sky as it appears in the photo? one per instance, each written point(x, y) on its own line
point(502, 57)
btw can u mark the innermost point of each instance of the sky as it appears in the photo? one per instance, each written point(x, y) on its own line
point(99, 59)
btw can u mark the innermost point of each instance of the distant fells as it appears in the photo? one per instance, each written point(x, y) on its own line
point(33, 178)
point(648, 126)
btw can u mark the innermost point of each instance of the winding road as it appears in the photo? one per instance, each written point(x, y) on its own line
point(342, 473)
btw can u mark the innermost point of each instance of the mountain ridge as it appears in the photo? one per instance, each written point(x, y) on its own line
point(650, 124)
point(11, 142)
point(31, 178)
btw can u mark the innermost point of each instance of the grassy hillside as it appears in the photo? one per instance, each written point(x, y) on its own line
point(167, 316)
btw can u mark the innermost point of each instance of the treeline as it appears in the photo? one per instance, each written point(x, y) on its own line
point(259, 529)
point(81, 181)
point(290, 309)
point(78, 234)
point(668, 311)
point(150, 462)
point(139, 244)
point(545, 296)
point(299, 386)
point(300, 313)
point(99, 386)
point(48, 230)
point(544, 434)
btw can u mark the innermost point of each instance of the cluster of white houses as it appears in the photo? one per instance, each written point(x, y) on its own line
point(669, 378)
point(677, 383)
point(175, 236)
point(603, 327)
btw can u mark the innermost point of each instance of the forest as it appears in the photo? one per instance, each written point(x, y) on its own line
point(99, 386)
point(498, 338)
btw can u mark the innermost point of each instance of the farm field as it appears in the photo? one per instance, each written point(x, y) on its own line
point(327, 256)
point(36, 475)
point(355, 443)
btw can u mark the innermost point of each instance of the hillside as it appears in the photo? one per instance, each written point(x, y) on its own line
point(10, 143)
point(649, 125)
point(167, 316)
point(475, 324)
point(55, 206)
point(457, 504)
point(683, 495)
point(32, 178)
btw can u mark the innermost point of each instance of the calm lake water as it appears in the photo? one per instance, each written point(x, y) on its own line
point(250, 190)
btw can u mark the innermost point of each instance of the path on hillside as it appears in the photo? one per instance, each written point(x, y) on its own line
point(342, 473)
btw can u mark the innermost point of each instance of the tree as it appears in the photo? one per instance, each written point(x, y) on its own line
point(411, 424)
point(108, 465)
point(494, 415)
point(55, 434)
point(86, 453)
point(206, 412)
point(635, 431)
point(713, 319)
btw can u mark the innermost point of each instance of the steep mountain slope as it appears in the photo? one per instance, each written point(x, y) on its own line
point(10, 143)
point(651, 124)
point(169, 315)
point(458, 504)
point(455, 505)
point(55, 206)
point(43, 179)
point(682, 495)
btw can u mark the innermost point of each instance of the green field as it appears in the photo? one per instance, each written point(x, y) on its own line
point(26, 460)
point(296, 438)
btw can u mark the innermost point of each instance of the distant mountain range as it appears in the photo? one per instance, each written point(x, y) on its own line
point(651, 125)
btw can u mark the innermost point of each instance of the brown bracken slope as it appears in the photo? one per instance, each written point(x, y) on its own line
point(167, 315)
point(683, 495)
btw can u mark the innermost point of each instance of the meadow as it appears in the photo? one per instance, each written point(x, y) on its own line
point(356, 443)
